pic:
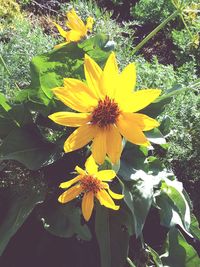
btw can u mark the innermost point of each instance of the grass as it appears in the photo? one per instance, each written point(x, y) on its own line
point(20, 42)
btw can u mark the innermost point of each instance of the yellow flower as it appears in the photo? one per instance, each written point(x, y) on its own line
point(106, 107)
point(78, 29)
point(91, 183)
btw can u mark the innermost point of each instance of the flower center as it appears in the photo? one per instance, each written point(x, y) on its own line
point(106, 113)
point(89, 183)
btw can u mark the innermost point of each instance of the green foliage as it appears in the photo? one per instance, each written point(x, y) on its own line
point(121, 33)
point(180, 252)
point(19, 43)
point(152, 11)
point(26, 134)
point(9, 9)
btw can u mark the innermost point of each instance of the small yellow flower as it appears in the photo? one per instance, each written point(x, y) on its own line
point(106, 106)
point(78, 29)
point(91, 183)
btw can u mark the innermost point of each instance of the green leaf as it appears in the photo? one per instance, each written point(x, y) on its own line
point(49, 69)
point(194, 227)
point(15, 117)
point(95, 48)
point(155, 136)
point(180, 253)
point(19, 208)
point(165, 125)
point(27, 146)
point(3, 103)
point(138, 196)
point(132, 159)
point(113, 229)
point(176, 210)
point(120, 231)
point(63, 220)
point(102, 229)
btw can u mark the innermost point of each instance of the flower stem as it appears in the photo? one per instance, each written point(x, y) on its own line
point(157, 29)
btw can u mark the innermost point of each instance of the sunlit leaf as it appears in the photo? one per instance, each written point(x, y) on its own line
point(180, 252)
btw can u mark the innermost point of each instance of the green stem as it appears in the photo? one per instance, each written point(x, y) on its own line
point(130, 262)
point(157, 29)
point(4, 64)
point(180, 10)
point(6, 68)
point(186, 26)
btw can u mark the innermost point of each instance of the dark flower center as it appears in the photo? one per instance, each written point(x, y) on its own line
point(106, 113)
point(90, 183)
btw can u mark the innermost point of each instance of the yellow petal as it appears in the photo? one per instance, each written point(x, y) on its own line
point(110, 76)
point(71, 119)
point(87, 205)
point(60, 29)
point(70, 194)
point(113, 194)
point(90, 165)
point(89, 23)
point(106, 200)
point(70, 182)
point(75, 22)
point(79, 138)
point(73, 36)
point(131, 132)
point(105, 175)
point(138, 100)
point(99, 146)
point(92, 74)
point(114, 144)
point(76, 95)
point(80, 170)
point(144, 122)
point(127, 81)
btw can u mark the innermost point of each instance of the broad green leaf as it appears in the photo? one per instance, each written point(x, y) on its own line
point(138, 196)
point(113, 229)
point(3, 103)
point(194, 227)
point(63, 220)
point(132, 159)
point(180, 253)
point(19, 206)
point(102, 230)
point(174, 189)
point(120, 231)
point(6, 125)
point(155, 136)
point(155, 165)
point(15, 117)
point(95, 47)
point(174, 207)
point(27, 146)
point(165, 125)
point(49, 69)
